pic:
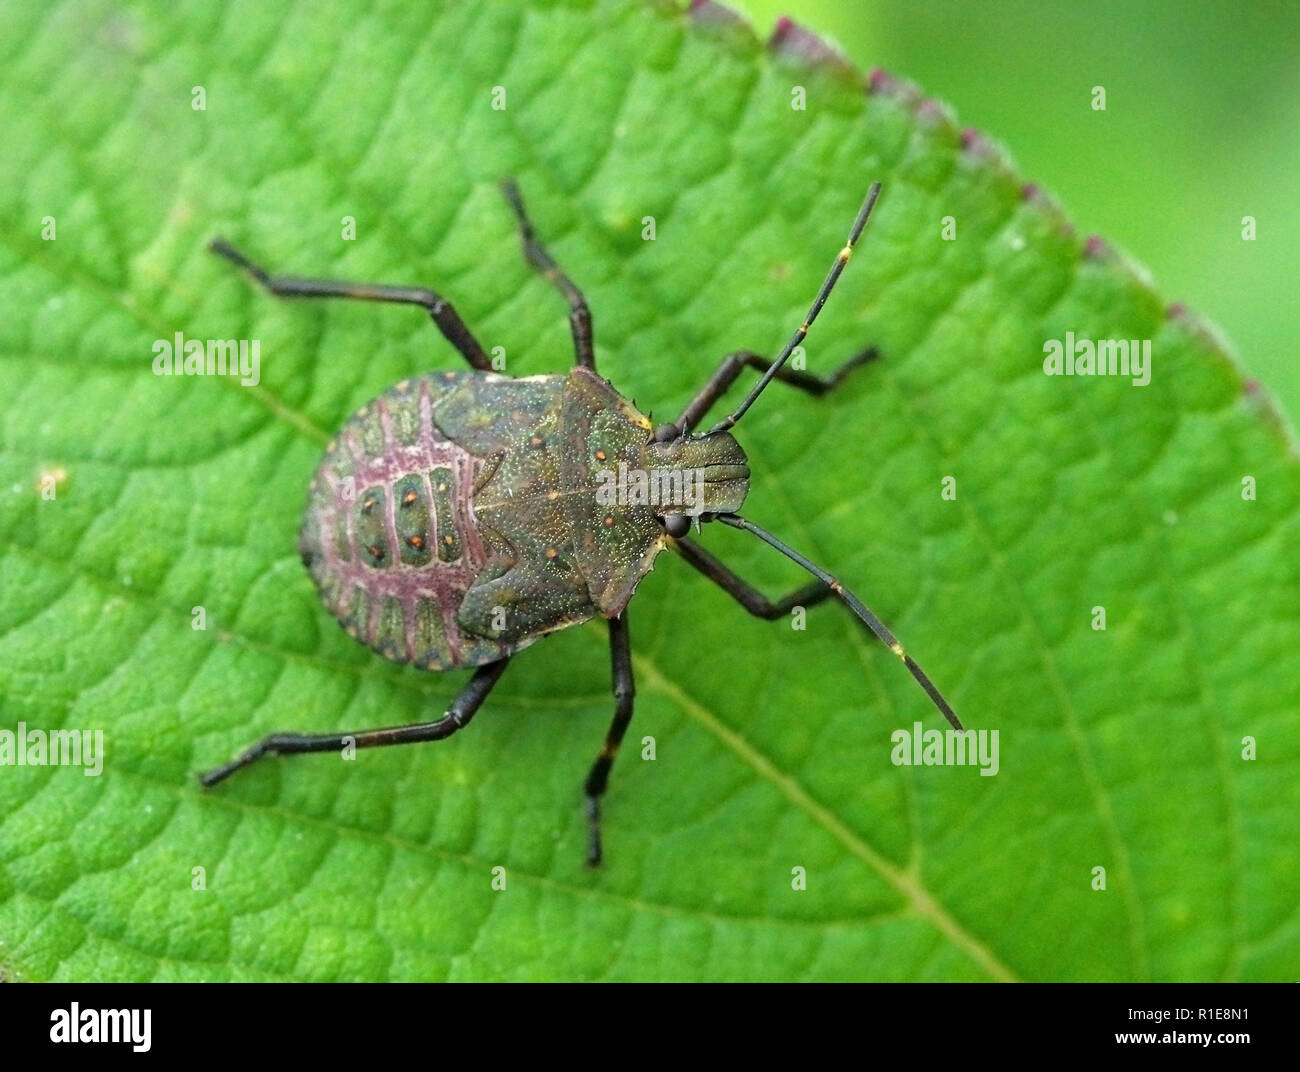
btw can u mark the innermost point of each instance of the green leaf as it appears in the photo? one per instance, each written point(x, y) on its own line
point(1120, 749)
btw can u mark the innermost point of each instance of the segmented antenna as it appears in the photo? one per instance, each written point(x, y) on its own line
point(841, 259)
point(855, 605)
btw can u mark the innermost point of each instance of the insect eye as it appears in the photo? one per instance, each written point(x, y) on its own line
point(676, 524)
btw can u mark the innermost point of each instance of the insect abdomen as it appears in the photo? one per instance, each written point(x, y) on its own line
point(389, 534)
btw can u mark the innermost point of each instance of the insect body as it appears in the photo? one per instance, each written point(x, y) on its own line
point(461, 516)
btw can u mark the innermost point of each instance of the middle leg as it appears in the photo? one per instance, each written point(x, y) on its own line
point(620, 651)
point(535, 252)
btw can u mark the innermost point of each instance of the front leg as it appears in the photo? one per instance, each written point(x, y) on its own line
point(728, 372)
point(741, 590)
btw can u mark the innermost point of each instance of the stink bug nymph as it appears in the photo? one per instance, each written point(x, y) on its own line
point(461, 516)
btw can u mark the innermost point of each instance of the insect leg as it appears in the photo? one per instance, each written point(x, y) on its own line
point(535, 252)
point(837, 267)
point(442, 311)
point(741, 591)
point(462, 709)
point(620, 652)
point(729, 371)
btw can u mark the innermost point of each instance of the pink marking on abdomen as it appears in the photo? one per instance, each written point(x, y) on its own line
point(443, 582)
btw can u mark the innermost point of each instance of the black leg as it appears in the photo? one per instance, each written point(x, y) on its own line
point(462, 709)
point(773, 370)
point(620, 652)
point(732, 364)
point(444, 315)
point(535, 252)
point(744, 593)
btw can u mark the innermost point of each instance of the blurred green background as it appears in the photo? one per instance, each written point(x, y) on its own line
point(1201, 128)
